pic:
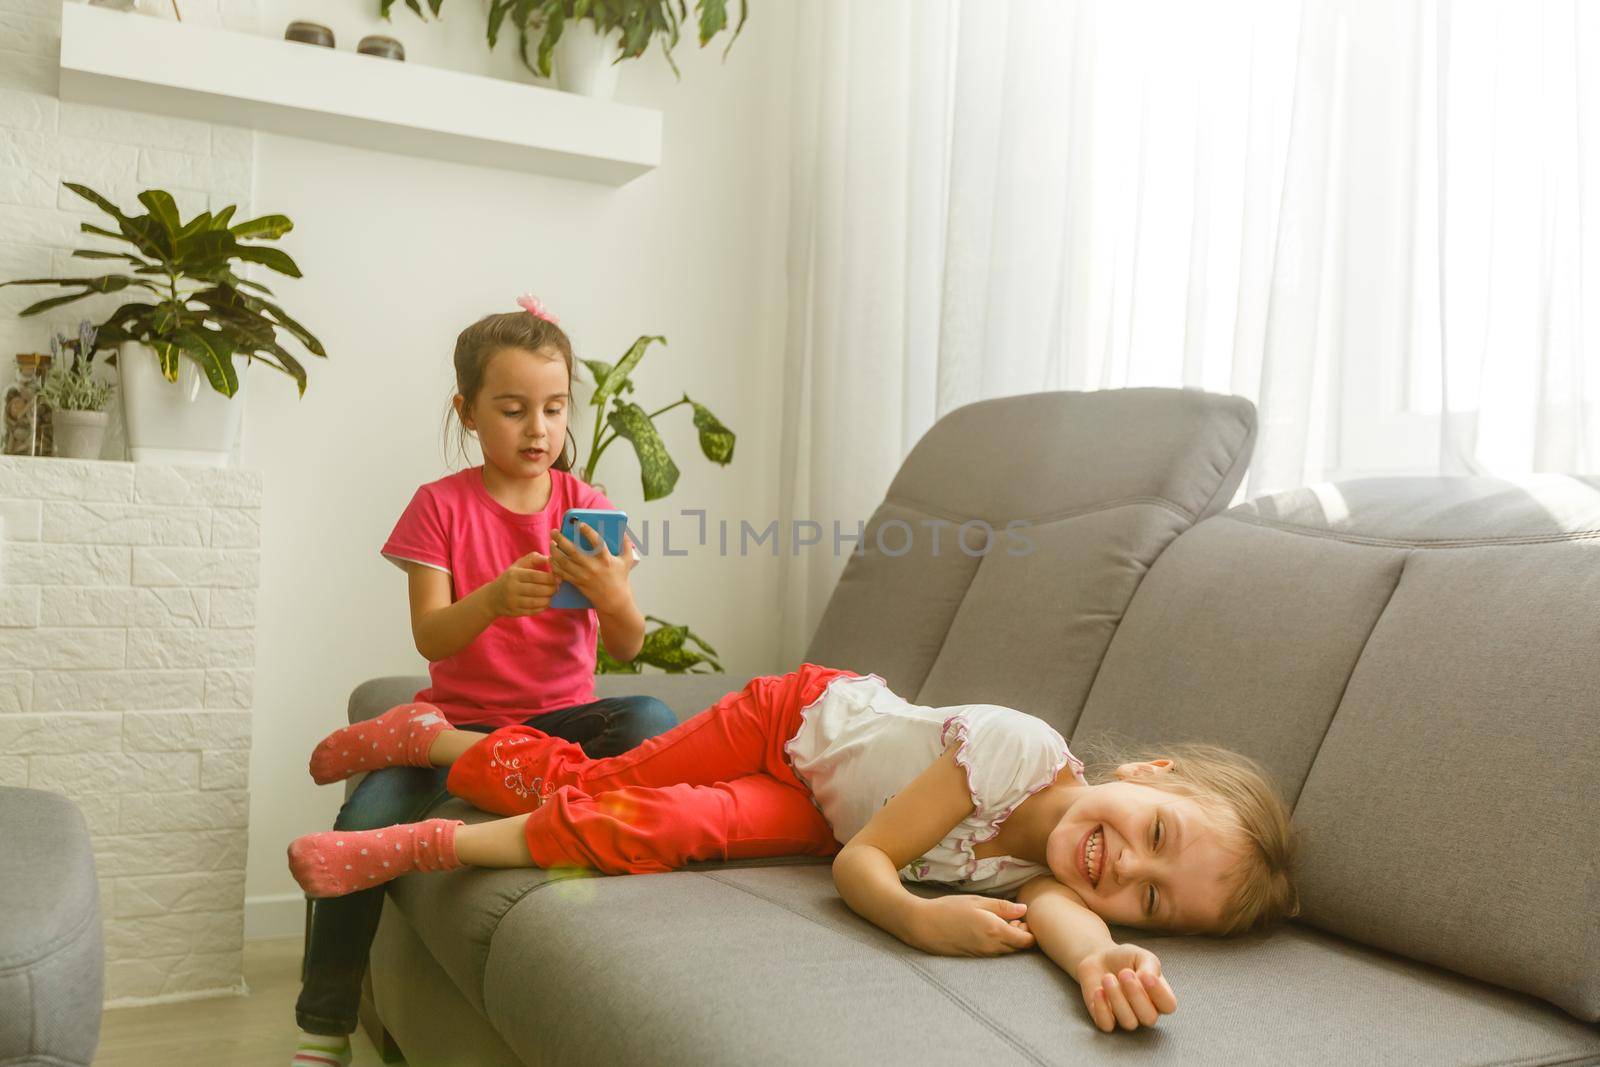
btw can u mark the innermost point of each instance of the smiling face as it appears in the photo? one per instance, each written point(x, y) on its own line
point(520, 411)
point(1141, 856)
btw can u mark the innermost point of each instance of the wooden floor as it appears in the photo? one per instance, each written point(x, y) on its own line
point(252, 1031)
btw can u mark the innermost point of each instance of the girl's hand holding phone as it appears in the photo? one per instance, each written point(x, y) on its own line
point(523, 589)
point(599, 575)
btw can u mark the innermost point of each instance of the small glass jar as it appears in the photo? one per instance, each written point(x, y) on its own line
point(27, 414)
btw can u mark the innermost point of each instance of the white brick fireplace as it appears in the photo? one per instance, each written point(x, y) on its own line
point(127, 656)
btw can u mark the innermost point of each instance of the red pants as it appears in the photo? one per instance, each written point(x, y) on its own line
point(712, 788)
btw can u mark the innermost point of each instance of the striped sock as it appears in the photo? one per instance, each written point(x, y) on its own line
point(321, 1050)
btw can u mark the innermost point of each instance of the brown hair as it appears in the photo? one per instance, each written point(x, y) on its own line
point(1238, 790)
point(478, 343)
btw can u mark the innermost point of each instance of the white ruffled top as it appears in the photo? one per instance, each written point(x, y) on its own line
point(859, 744)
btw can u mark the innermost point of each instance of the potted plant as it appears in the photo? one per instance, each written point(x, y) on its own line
point(77, 398)
point(198, 323)
point(588, 38)
point(670, 647)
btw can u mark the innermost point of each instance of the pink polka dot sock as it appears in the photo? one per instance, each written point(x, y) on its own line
point(336, 862)
point(400, 737)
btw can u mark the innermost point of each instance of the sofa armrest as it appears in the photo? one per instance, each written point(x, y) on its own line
point(377, 695)
point(52, 951)
point(685, 694)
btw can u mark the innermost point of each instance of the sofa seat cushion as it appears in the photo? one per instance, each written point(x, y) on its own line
point(742, 965)
point(457, 914)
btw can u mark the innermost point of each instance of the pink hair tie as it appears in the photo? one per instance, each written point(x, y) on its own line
point(531, 305)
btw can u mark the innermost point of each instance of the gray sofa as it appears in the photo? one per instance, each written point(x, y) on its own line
point(1416, 660)
point(52, 951)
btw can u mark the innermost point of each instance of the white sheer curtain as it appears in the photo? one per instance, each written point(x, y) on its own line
point(1379, 220)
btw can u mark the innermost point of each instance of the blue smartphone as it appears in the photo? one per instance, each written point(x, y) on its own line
point(610, 525)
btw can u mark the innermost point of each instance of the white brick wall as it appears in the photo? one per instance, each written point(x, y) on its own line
point(44, 142)
point(127, 668)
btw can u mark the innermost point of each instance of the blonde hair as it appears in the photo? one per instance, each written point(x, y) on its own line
point(1238, 790)
point(478, 343)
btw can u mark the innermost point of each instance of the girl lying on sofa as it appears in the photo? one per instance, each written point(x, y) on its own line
point(979, 797)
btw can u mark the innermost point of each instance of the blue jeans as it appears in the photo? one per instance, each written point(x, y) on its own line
point(342, 928)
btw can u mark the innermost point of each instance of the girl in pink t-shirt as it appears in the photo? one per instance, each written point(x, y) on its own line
point(483, 555)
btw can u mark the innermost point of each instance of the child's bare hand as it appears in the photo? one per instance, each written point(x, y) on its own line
point(1122, 986)
point(972, 926)
point(524, 588)
point(599, 575)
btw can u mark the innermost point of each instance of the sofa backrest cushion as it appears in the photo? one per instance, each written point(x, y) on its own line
point(1418, 660)
point(1095, 486)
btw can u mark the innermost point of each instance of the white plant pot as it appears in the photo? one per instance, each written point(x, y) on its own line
point(79, 434)
point(183, 422)
point(583, 60)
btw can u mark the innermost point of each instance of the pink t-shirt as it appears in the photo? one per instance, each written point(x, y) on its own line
point(518, 667)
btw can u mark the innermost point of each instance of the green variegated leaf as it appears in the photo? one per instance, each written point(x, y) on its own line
point(200, 222)
point(677, 661)
point(289, 365)
point(97, 200)
point(168, 354)
point(214, 353)
point(109, 283)
point(663, 639)
point(636, 35)
point(716, 440)
point(271, 258)
point(498, 9)
point(657, 472)
point(52, 302)
point(713, 19)
point(137, 235)
point(618, 375)
point(207, 251)
point(599, 369)
point(709, 652)
point(547, 42)
point(122, 319)
point(281, 318)
point(105, 283)
point(667, 648)
point(164, 211)
point(220, 220)
point(265, 228)
point(89, 227)
point(605, 664)
point(744, 13)
point(126, 257)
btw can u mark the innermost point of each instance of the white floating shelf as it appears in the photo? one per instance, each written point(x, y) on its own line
point(150, 64)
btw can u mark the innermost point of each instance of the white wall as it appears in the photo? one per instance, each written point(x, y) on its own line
point(399, 254)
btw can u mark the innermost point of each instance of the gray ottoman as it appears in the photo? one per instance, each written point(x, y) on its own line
point(52, 956)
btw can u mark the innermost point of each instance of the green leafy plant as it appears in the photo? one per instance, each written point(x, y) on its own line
point(639, 22)
point(197, 306)
point(670, 647)
point(674, 649)
point(71, 384)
